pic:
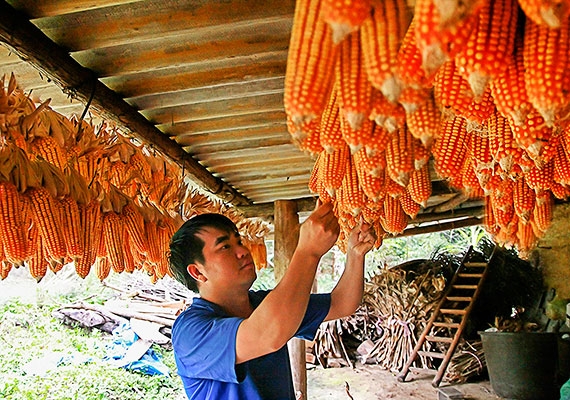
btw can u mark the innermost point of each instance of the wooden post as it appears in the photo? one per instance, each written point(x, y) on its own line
point(286, 238)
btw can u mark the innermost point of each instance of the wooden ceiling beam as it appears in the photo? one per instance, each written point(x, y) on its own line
point(53, 61)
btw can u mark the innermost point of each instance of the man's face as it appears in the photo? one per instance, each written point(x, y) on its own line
point(227, 262)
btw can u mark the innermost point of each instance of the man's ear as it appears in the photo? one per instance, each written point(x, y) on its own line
point(195, 272)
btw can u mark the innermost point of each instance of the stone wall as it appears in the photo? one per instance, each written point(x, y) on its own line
point(554, 252)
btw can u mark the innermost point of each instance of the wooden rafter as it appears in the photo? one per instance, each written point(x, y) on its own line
point(36, 48)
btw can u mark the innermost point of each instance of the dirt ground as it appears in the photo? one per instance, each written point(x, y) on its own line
point(369, 382)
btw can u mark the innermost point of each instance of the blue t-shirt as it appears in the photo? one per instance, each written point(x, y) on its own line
point(204, 341)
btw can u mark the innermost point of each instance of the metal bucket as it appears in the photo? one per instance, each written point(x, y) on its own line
point(522, 365)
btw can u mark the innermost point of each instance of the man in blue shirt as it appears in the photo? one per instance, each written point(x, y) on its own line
point(230, 344)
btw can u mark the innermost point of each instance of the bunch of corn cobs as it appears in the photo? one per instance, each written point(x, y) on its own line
point(375, 89)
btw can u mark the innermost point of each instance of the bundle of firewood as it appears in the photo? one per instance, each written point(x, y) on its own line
point(396, 306)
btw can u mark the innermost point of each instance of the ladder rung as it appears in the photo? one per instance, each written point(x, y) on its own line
point(465, 286)
point(439, 339)
point(459, 298)
point(452, 311)
point(453, 325)
point(475, 264)
point(469, 275)
point(431, 354)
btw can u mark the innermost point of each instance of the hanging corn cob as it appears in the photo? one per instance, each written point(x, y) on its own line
point(421, 154)
point(450, 148)
point(419, 186)
point(354, 89)
point(394, 219)
point(307, 135)
point(490, 45)
point(334, 168)
point(388, 115)
point(400, 157)
point(47, 216)
point(91, 230)
point(523, 199)
point(410, 207)
point(550, 13)
point(102, 268)
point(470, 181)
point(425, 121)
point(356, 139)
point(410, 71)
point(533, 136)
point(372, 183)
point(526, 239)
point(113, 236)
point(13, 237)
point(541, 179)
point(71, 226)
point(546, 63)
point(345, 16)
point(330, 135)
point(452, 91)
point(382, 34)
point(508, 88)
point(561, 165)
point(310, 64)
point(351, 197)
point(502, 145)
point(371, 164)
point(38, 264)
point(543, 212)
point(442, 29)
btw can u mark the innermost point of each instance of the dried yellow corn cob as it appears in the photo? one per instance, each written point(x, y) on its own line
point(561, 165)
point(550, 13)
point(12, 226)
point(334, 168)
point(399, 157)
point(356, 139)
point(47, 216)
point(352, 199)
point(540, 179)
point(419, 186)
point(382, 34)
point(508, 88)
point(310, 64)
point(425, 121)
point(523, 199)
point(490, 45)
point(546, 61)
point(450, 147)
point(410, 207)
point(441, 30)
point(330, 135)
point(543, 211)
point(394, 219)
point(71, 226)
point(114, 238)
point(91, 229)
point(345, 16)
point(388, 115)
point(354, 89)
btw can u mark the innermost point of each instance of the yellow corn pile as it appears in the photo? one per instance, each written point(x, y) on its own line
point(74, 193)
point(482, 88)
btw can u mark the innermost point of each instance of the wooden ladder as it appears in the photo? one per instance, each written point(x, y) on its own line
point(450, 317)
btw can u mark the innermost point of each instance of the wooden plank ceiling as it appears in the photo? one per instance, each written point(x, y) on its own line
point(201, 80)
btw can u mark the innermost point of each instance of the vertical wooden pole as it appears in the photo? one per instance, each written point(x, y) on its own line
point(286, 225)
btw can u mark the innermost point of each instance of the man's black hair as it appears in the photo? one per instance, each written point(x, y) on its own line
point(186, 247)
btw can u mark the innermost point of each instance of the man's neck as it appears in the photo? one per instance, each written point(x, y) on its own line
point(234, 303)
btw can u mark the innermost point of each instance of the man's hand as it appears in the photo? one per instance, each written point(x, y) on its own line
point(361, 239)
point(320, 231)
